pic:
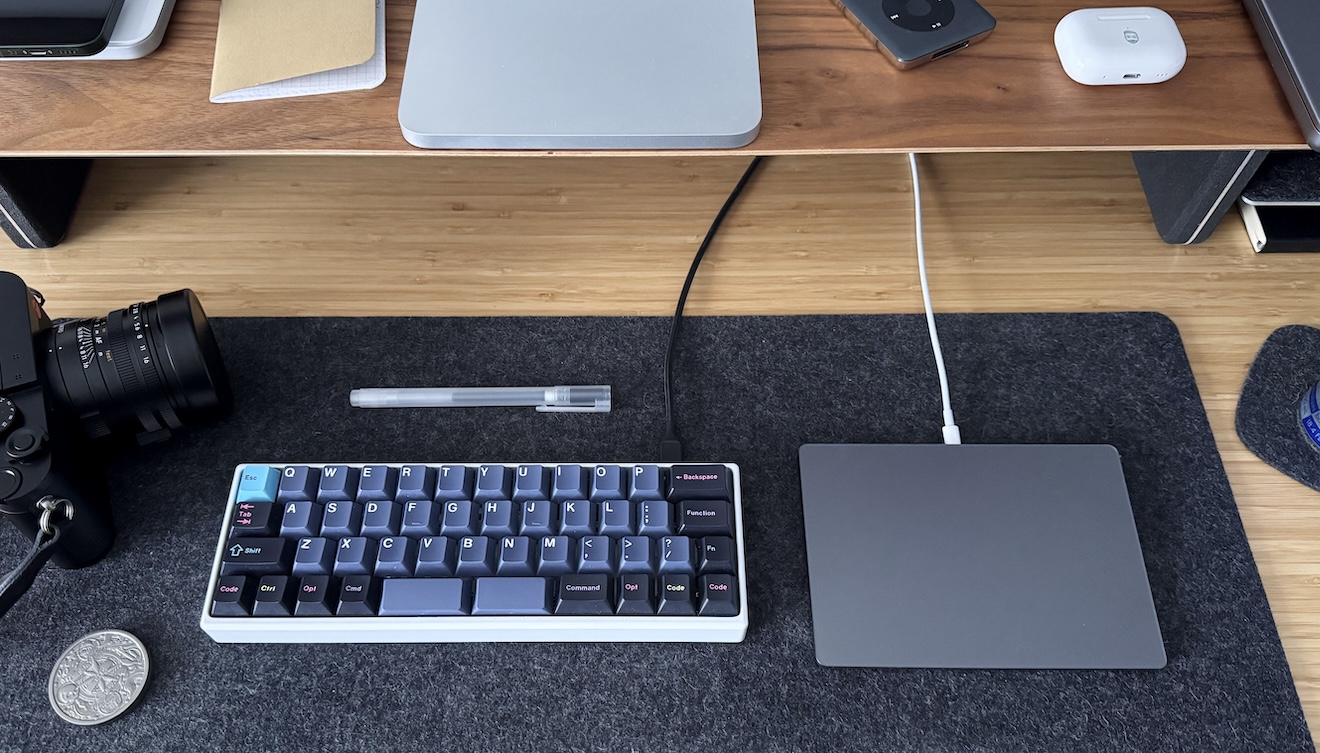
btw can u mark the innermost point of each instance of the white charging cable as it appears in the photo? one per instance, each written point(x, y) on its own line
point(951, 433)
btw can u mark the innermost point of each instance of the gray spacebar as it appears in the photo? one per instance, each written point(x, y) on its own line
point(417, 597)
point(512, 596)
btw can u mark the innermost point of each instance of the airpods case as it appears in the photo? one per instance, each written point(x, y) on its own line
point(1101, 46)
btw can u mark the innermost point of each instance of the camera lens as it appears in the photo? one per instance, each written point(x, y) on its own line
point(145, 371)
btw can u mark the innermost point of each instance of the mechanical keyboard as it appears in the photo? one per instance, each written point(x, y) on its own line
point(448, 552)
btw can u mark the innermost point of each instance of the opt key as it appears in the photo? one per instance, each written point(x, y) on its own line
point(258, 484)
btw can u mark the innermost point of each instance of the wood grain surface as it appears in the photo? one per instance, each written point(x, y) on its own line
point(824, 89)
point(614, 235)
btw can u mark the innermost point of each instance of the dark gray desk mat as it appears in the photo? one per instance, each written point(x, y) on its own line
point(1267, 421)
point(750, 390)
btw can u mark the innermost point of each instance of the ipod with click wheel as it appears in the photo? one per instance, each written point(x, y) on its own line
point(913, 32)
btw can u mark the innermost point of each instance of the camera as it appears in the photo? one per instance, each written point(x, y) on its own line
point(141, 372)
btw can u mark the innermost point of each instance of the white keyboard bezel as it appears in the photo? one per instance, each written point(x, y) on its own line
point(484, 629)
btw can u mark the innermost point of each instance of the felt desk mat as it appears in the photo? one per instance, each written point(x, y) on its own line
point(748, 390)
point(1267, 417)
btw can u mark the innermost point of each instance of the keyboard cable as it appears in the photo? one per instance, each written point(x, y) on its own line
point(950, 430)
point(671, 446)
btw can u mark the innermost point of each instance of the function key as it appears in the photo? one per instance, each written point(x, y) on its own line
point(719, 596)
point(532, 482)
point(298, 482)
point(338, 484)
point(453, 482)
point(584, 594)
point(377, 483)
point(493, 482)
point(258, 483)
point(255, 519)
point(416, 482)
point(704, 517)
point(700, 482)
point(717, 555)
point(608, 482)
point(233, 596)
point(570, 483)
point(647, 483)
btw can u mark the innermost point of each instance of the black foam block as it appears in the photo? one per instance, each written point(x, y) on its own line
point(1190, 192)
point(37, 198)
point(1268, 422)
point(750, 391)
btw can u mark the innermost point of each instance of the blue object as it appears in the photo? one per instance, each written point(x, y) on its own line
point(258, 484)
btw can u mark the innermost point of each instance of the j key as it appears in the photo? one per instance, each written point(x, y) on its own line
point(497, 518)
point(719, 596)
point(395, 557)
point(341, 519)
point(699, 482)
point(436, 556)
point(258, 484)
point(453, 482)
point(512, 596)
point(575, 518)
point(608, 482)
point(717, 555)
point(647, 483)
point(233, 596)
point(709, 517)
point(359, 595)
point(314, 556)
point(355, 555)
point(655, 518)
point(476, 556)
point(256, 556)
point(570, 482)
point(316, 596)
point(377, 483)
point(676, 555)
point(415, 482)
point(459, 518)
point(676, 594)
point(635, 555)
point(255, 519)
point(274, 597)
point(381, 519)
point(428, 597)
point(532, 482)
point(301, 518)
point(420, 518)
point(634, 596)
point(556, 556)
point(584, 594)
point(537, 519)
point(493, 482)
point(298, 483)
point(615, 517)
point(338, 484)
point(594, 555)
point(515, 556)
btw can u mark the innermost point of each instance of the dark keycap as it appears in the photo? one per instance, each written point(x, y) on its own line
point(634, 596)
point(493, 482)
point(415, 482)
point(537, 519)
point(719, 596)
point(497, 518)
point(233, 596)
point(655, 518)
point(476, 556)
point(584, 594)
point(245, 556)
point(355, 555)
point(556, 556)
point(459, 518)
point(417, 597)
point(704, 517)
point(699, 482)
point(376, 483)
point(608, 482)
point(676, 594)
point(338, 484)
point(512, 596)
point(717, 555)
point(359, 595)
point(381, 519)
point(298, 483)
point(615, 518)
point(647, 483)
point(395, 557)
point(453, 482)
point(301, 518)
point(531, 482)
point(316, 596)
point(676, 555)
point(274, 597)
point(420, 518)
point(515, 556)
point(436, 556)
point(594, 555)
point(635, 555)
point(314, 556)
point(341, 519)
point(570, 482)
point(575, 518)
point(255, 519)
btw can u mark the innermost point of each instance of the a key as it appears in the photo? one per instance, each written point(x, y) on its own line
point(594, 555)
point(258, 483)
point(476, 556)
point(700, 482)
point(608, 482)
point(676, 555)
point(355, 555)
point(340, 519)
point(655, 518)
point(416, 482)
point(634, 594)
point(635, 555)
point(359, 595)
point(493, 482)
point(647, 483)
point(255, 519)
point(301, 518)
point(420, 518)
point(381, 519)
point(314, 556)
point(256, 556)
point(570, 482)
point(615, 518)
point(531, 482)
point(556, 556)
point(537, 519)
point(316, 596)
point(705, 517)
point(459, 518)
point(376, 483)
point(511, 596)
point(298, 483)
point(436, 556)
point(515, 556)
point(676, 594)
point(233, 596)
point(584, 594)
point(274, 597)
point(575, 518)
point(424, 597)
point(338, 484)
point(497, 518)
point(395, 557)
point(719, 596)
point(453, 482)
point(717, 555)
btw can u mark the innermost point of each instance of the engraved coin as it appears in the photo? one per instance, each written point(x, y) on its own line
point(98, 677)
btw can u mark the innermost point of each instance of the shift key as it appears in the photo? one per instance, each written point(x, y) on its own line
point(257, 556)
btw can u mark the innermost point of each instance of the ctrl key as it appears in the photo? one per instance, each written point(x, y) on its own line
point(233, 596)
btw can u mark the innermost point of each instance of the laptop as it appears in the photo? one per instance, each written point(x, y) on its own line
point(582, 74)
point(1290, 32)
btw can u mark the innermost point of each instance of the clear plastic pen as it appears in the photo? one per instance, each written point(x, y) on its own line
point(591, 398)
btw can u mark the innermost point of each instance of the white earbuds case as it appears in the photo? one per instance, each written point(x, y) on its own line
point(1101, 46)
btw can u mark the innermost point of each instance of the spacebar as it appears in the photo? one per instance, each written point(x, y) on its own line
point(512, 596)
point(418, 597)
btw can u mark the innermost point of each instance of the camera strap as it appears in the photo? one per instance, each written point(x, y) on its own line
point(51, 524)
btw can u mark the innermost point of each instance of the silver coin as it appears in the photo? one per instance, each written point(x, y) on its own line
point(98, 677)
